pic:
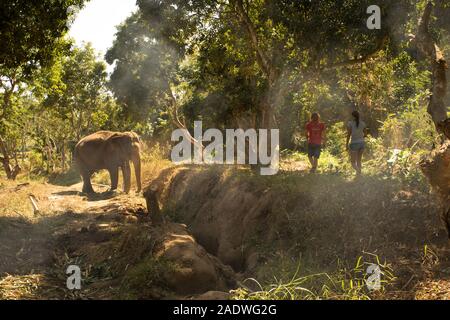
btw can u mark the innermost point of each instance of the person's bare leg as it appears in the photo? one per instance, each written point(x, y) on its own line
point(353, 160)
point(359, 161)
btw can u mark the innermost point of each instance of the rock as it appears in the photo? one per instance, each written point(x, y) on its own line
point(131, 219)
point(194, 270)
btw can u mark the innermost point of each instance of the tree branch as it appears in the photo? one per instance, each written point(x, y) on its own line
point(261, 57)
point(380, 45)
point(181, 123)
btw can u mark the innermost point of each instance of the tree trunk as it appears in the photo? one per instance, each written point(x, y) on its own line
point(429, 50)
point(437, 169)
point(437, 166)
point(266, 106)
point(63, 156)
point(11, 173)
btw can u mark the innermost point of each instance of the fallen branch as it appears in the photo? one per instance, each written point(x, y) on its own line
point(100, 185)
point(34, 204)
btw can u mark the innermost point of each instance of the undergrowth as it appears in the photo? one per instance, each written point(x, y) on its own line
point(344, 284)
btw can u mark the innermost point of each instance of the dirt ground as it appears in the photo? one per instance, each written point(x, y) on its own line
point(29, 241)
point(124, 255)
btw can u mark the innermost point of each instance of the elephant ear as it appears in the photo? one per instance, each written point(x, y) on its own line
point(121, 141)
point(134, 137)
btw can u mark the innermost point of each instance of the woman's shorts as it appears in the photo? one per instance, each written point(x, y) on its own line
point(357, 146)
point(314, 150)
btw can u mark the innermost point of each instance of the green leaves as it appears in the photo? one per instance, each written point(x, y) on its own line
point(75, 93)
point(29, 31)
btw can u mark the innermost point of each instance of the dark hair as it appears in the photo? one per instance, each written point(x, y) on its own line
point(315, 115)
point(355, 115)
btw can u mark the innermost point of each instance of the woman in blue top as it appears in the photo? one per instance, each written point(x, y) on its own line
point(356, 132)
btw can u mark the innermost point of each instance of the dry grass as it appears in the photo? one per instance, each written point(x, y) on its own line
point(323, 223)
point(153, 162)
point(14, 198)
point(27, 287)
point(33, 255)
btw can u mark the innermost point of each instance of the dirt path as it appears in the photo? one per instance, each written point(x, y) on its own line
point(29, 242)
point(120, 252)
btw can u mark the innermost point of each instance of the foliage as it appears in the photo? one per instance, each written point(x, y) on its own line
point(345, 284)
point(31, 32)
point(78, 95)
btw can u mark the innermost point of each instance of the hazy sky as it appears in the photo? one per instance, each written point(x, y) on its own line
point(97, 21)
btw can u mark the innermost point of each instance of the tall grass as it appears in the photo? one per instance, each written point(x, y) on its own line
point(344, 284)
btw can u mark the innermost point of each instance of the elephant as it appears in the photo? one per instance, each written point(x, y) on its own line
point(111, 151)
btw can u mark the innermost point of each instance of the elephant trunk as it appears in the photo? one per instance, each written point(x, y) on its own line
point(137, 170)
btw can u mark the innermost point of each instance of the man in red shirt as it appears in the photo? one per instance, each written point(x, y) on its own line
point(315, 132)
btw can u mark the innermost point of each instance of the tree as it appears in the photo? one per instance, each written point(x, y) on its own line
point(431, 52)
point(144, 75)
point(437, 166)
point(30, 31)
point(75, 101)
point(30, 35)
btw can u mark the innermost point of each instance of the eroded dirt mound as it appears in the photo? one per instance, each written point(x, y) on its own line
point(145, 262)
point(263, 226)
point(225, 214)
point(216, 216)
point(196, 271)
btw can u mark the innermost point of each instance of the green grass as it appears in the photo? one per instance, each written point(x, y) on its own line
point(344, 284)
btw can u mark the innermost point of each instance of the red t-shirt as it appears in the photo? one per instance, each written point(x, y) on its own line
point(315, 130)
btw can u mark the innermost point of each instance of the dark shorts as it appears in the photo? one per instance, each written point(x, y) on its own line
point(314, 150)
point(357, 146)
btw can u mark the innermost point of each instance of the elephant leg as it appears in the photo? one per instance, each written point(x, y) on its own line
point(126, 172)
point(114, 175)
point(87, 186)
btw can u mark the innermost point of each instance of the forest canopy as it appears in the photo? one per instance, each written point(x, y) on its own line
point(246, 64)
